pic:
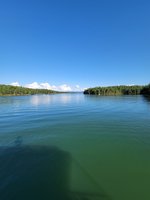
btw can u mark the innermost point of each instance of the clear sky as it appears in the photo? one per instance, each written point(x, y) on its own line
point(75, 42)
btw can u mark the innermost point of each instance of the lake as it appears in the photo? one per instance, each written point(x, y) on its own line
point(74, 147)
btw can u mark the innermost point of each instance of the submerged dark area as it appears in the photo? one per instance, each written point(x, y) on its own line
point(34, 172)
point(38, 172)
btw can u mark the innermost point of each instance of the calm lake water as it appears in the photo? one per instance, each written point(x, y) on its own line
point(73, 146)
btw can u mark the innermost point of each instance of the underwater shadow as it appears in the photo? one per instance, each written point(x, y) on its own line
point(34, 172)
point(40, 172)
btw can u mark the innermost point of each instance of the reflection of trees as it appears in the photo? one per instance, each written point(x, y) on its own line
point(147, 98)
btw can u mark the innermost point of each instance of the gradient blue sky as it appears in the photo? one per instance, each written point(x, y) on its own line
point(84, 42)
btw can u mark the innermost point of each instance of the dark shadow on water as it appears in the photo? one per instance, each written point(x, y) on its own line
point(147, 98)
point(36, 173)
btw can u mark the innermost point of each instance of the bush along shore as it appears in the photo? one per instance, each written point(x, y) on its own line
point(8, 90)
point(119, 90)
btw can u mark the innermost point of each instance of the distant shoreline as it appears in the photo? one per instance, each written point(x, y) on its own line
point(9, 90)
point(119, 90)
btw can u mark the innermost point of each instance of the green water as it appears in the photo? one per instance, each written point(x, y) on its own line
point(73, 146)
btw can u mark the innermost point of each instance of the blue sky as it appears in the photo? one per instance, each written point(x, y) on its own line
point(75, 42)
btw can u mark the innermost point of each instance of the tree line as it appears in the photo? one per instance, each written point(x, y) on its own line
point(119, 90)
point(146, 90)
point(16, 90)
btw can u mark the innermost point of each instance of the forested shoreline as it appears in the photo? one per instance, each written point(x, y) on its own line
point(119, 90)
point(9, 90)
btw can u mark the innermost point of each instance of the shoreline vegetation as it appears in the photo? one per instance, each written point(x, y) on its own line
point(9, 90)
point(119, 90)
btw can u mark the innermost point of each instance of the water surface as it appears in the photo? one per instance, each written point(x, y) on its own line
point(74, 146)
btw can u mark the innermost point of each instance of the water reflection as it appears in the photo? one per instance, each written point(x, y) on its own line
point(18, 141)
point(147, 98)
point(41, 99)
point(13, 100)
point(36, 100)
point(55, 98)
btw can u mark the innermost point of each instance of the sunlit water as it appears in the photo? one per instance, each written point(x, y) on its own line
point(74, 146)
